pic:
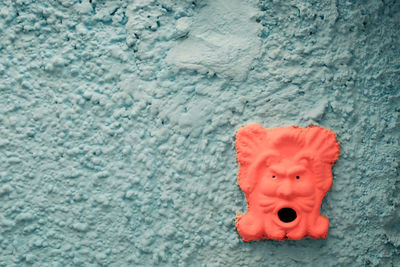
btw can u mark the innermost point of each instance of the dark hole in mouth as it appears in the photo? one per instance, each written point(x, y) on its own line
point(287, 215)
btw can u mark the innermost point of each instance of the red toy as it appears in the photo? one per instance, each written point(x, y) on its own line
point(285, 173)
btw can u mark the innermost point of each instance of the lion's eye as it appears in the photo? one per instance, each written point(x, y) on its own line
point(273, 176)
point(297, 177)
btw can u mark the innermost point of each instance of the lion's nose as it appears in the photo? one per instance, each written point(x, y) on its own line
point(285, 190)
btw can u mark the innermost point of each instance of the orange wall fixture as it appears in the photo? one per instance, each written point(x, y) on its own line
point(284, 173)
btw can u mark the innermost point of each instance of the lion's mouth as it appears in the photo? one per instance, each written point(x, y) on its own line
point(287, 215)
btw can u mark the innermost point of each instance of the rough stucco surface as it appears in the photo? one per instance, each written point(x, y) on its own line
point(117, 123)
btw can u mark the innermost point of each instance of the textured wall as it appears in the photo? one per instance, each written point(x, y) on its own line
point(117, 123)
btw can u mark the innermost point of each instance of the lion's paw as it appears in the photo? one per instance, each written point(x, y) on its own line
point(249, 227)
point(320, 229)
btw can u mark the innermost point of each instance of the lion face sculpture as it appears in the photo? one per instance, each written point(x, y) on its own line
point(285, 173)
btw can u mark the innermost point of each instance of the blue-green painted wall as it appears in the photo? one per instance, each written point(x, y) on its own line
point(117, 123)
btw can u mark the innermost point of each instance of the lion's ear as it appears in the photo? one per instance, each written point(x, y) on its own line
point(323, 144)
point(324, 175)
point(249, 141)
point(324, 149)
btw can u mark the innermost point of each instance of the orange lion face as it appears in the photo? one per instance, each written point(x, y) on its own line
point(287, 180)
point(284, 173)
